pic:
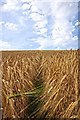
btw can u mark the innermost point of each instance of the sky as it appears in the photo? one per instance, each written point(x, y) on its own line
point(38, 24)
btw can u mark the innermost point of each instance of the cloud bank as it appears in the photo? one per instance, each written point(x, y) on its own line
point(51, 24)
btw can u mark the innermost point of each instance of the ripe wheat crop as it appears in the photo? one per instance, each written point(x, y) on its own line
point(40, 84)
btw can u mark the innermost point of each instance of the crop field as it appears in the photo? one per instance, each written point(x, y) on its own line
point(40, 84)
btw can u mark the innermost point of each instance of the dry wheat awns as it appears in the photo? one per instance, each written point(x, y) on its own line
point(54, 73)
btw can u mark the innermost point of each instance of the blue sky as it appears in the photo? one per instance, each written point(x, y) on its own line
point(38, 25)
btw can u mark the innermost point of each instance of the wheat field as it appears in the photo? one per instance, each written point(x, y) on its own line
point(40, 84)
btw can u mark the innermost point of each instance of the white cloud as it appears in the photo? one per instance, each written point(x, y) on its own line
point(43, 42)
point(26, 1)
point(61, 1)
point(77, 23)
point(41, 24)
point(75, 38)
point(42, 31)
point(36, 16)
point(11, 26)
point(22, 20)
point(61, 26)
point(41, 7)
point(34, 8)
point(25, 6)
point(1, 25)
point(10, 5)
point(63, 14)
point(4, 45)
point(40, 27)
point(61, 32)
point(15, 5)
